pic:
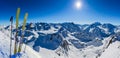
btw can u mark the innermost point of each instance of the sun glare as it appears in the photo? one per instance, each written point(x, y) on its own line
point(78, 4)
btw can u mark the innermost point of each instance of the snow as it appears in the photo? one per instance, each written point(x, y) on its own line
point(35, 34)
point(85, 27)
point(89, 51)
point(29, 37)
point(71, 37)
point(50, 31)
point(91, 29)
point(117, 29)
point(5, 48)
point(113, 51)
point(31, 53)
point(105, 29)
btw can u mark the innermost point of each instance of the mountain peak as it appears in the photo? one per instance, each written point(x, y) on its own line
point(96, 24)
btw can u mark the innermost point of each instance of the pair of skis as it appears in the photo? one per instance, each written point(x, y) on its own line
point(16, 36)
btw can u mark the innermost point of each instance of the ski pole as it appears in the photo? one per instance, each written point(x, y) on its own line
point(11, 20)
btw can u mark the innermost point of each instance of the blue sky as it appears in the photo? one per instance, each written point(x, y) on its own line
point(58, 11)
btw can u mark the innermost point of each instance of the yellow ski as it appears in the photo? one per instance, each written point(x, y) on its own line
point(17, 22)
point(23, 28)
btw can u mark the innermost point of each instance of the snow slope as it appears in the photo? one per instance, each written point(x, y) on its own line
point(113, 51)
point(5, 48)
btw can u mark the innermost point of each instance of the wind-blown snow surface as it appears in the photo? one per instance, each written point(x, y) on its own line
point(66, 40)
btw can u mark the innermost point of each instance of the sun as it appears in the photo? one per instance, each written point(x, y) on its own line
point(78, 4)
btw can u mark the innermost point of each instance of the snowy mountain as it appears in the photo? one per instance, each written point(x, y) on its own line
point(65, 40)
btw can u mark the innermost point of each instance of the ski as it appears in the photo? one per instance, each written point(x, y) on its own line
point(16, 36)
point(23, 28)
point(11, 22)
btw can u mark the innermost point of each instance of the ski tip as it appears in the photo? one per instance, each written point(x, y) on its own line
point(18, 11)
point(26, 15)
point(18, 8)
point(11, 18)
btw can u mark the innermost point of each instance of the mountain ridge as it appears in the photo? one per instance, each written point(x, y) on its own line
point(63, 38)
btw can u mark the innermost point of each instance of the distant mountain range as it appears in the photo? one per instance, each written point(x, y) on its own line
point(53, 36)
